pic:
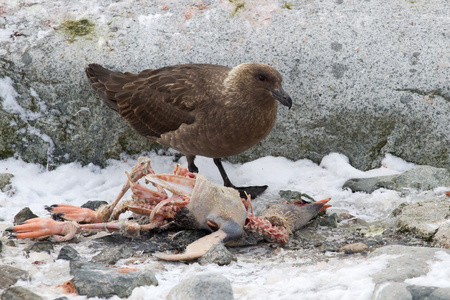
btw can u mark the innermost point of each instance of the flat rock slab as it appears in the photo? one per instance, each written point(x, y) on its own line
point(110, 255)
point(97, 280)
point(404, 291)
point(407, 262)
point(419, 177)
point(19, 293)
point(429, 220)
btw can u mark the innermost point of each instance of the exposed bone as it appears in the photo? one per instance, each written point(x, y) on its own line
point(141, 169)
point(177, 184)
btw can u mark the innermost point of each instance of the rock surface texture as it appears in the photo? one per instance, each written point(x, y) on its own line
point(366, 77)
point(98, 280)
point(407, 262)
point(419, 177)
point(428, 220)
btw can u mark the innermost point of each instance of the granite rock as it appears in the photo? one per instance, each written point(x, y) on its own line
point(218, 254)
point(68, 253)
point(10, 275)
point(203, 286)
point(19, 293)
point(43, 246)
point(364, 84)
point(5, 182)
point(406, 262)
point(23, 215)
point(419, 177)
point(403, 291)
point(428, 220)
point(111, 255)
point(97, 280)
point(392, 290)
point(440, 294)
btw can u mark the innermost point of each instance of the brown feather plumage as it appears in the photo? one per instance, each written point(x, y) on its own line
point(197, 109)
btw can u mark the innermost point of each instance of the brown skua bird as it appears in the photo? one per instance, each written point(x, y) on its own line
point(197, 109)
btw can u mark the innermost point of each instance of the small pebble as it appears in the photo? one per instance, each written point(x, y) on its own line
point(354, 248)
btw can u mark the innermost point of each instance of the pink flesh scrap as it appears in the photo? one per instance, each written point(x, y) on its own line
point(215, 208)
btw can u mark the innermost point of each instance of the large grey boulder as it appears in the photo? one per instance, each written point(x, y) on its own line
point(367, 77)
point(418, 177)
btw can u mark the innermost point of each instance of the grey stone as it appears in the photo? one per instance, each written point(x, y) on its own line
point(23, 215)
point(68, 253)
point(403, 291)
point(218, 254)
point(44, 246)
point(425, 219)
point(294, 195)
point(202, 286)
point(19, 293)
point(391, 290)
point(5, 182)
point(369, 185)
point(419, 177)
point(440, 294)
point(10, 275)
point(442, 237)
point(407, 262)
point(421, 292)
point(363, 84)
point(10, 243)
point(423, 177)
point(94, 204)
point(111, 255)
point(97, 280)
point(26, 58)
point(329, 220)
